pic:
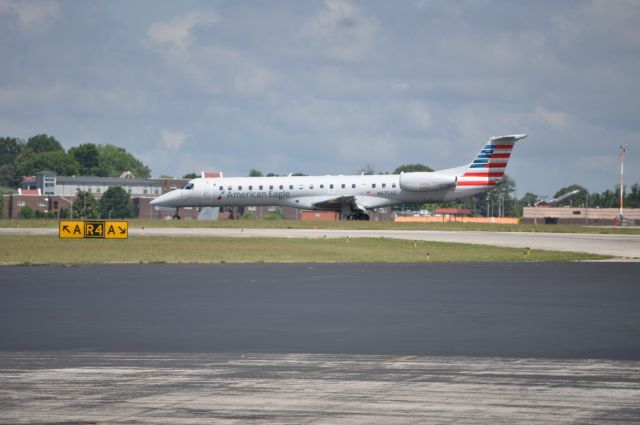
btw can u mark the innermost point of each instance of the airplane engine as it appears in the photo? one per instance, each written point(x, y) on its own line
point(426, 181)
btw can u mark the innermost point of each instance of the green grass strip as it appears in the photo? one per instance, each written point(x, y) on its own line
point(345, 225)
point(160, 249)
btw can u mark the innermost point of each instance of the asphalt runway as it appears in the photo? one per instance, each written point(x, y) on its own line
point(323, 343)
point(545, 310)
point(621, 246)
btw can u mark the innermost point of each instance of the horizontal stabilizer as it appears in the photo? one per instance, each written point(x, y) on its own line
point(510, 138)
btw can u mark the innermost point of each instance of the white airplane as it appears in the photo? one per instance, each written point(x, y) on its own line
point(351, 195)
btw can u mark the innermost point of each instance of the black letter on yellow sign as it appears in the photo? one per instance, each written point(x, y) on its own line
point(111, 231)
point(93, 229)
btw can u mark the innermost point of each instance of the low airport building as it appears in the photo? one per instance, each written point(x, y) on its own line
point(50, 194)
point(579, 216)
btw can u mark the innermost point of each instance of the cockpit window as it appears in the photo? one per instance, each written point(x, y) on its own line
point(189, 186)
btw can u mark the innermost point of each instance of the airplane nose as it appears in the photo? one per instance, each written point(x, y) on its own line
point(170, 199)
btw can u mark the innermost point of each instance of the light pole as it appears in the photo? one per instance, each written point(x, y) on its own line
point(623, 149)
point(586, 208)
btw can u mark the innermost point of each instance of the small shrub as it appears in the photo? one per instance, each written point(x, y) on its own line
point(249, 215)
point(27, 212)
point(275, 215)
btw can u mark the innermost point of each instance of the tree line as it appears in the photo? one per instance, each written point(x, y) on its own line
point(502, 201)
point(42, 152)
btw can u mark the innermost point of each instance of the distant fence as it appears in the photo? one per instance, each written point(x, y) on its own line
point(453, 219)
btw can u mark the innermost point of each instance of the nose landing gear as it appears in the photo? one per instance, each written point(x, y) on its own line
point(176, 216)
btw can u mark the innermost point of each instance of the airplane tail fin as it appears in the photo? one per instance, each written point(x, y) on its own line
point(487, 169)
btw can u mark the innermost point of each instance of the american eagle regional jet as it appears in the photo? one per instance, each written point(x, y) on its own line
point(353, 196)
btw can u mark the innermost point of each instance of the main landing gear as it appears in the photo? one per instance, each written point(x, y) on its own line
point(358, 215)
point(176, 216)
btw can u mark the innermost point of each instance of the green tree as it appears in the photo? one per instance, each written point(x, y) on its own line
point(529, 199)
point(11, 150)
point(606, 199)
point(632, 199)
point(63, 213)
point(115, 203)
point(249, 215)
point(27, 212)
point(274, 215)
point(191, 176)
point(88, 159)
point(410, 168)
point(3, 192)
point(42, 214)
point(57, 161)
point(255, 173)
point(43, 143)
point(497, 202)
point(85, 206)
point(115, 161)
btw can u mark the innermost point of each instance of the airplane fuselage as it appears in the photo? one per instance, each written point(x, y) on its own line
point(372, 191)
point(352, 195)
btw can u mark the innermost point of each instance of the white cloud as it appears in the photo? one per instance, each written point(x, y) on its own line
point(177, 34)
point(418, 115)
point(556, 119)
point(254, 81)
point(326, 86)
point(202, 63)
point(344, 31)
point(32, 15)
point(362, 149)
point(173, 140)
point(616, 17)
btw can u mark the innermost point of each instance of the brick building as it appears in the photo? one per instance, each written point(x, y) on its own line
point(50, 194)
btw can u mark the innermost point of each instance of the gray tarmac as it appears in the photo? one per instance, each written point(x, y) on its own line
point(322, 343)
point(133, 388)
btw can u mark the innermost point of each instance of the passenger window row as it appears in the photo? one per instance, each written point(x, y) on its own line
point(281, 187)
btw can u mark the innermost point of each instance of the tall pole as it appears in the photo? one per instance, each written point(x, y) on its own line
point(586, 208)
point(623, 149)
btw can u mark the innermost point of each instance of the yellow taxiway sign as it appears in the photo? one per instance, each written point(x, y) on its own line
point(93, 229)
point(71, 229)
point(116, 229)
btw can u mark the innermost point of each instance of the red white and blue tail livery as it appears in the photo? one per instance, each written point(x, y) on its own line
point(352, 195)
point(487, 169)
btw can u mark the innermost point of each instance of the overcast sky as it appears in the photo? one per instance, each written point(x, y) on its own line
point(327, 86)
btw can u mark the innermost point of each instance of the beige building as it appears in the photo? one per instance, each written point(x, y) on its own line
point(573, 215)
